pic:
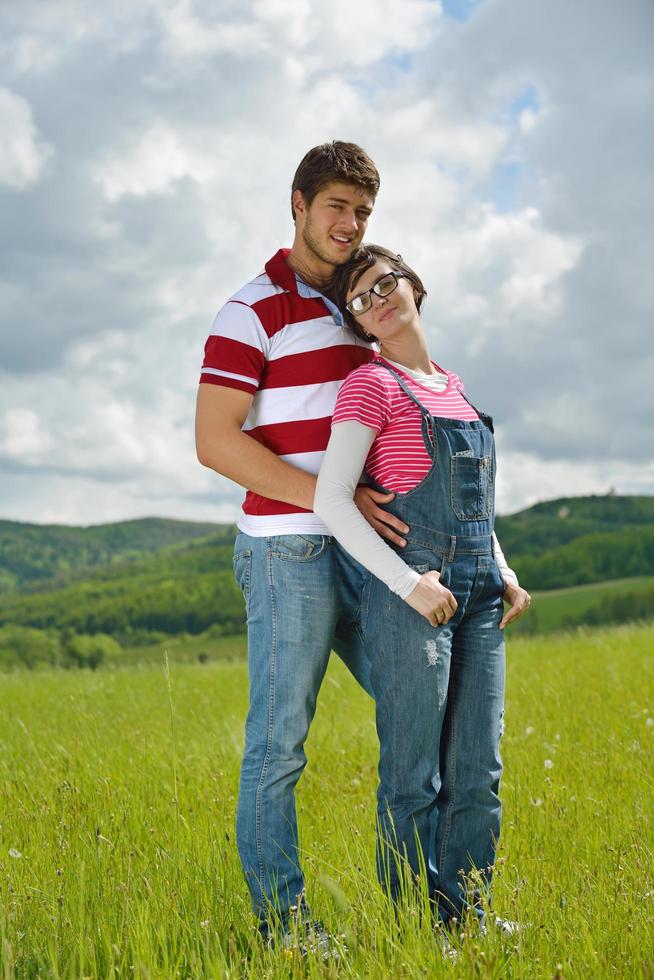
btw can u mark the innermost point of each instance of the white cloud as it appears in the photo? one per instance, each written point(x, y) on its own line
point(318, 37)
point(190, 36)
point(527, 119)
point(160, 157)
point(500, 269)
point(531, 227)
point(339, 35)
point(469, 148)
point(36, 54)
point(22, 436)
point(525, 479)
point(23, 155)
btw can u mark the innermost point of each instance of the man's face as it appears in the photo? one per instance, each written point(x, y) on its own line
point(333, 225)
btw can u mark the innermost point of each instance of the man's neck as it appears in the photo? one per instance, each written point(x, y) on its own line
point(317, 274)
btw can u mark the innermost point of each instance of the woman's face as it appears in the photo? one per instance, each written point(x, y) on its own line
point(387, 314)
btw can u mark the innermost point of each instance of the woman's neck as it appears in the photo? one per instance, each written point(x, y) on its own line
point(415, 358)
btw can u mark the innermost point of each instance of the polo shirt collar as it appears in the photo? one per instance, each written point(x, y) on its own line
point(282, 275)
point(280, 271)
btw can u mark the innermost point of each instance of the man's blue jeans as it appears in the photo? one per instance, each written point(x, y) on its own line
point(302, 595)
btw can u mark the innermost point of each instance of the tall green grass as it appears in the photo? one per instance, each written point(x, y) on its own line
point(117, 852)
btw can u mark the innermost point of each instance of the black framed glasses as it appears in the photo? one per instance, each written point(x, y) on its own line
point(383, 287)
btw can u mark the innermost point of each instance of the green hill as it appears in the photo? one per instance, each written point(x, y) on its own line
point(554, 523)
point(141, 580)
point(180, 588)
point(35, 554)
point(578, 540)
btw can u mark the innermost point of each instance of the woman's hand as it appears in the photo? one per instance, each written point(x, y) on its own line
point(519, 601)
point(432, 600)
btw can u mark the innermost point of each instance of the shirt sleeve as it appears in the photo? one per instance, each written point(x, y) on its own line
point(507, 573)
point(236, 349)
point(341, 469)
point(364, 398)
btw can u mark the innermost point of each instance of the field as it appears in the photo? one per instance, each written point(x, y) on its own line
point(555, 609)
point(117, 854)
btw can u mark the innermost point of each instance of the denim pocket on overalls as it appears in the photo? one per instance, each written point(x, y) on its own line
point(471, 486)
point(422, 560)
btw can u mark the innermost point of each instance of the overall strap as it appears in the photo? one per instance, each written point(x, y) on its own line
point(426, 426)
point(403, 385)
point(426, 414)
point(486, 419)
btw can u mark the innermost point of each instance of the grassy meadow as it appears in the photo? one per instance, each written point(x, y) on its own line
point(557, 609)
point(117, 852)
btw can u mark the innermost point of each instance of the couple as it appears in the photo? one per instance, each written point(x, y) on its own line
point(402, 576)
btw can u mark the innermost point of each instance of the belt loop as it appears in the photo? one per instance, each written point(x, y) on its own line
point(450, 557)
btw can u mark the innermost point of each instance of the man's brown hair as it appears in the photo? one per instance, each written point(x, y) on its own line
point(333, 161)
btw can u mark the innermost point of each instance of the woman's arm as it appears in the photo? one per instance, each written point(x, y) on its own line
point(340, 472)
point(508, 574)
point(339, 475)
point(516, 598)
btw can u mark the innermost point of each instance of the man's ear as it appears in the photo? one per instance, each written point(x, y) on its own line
point(298, 202)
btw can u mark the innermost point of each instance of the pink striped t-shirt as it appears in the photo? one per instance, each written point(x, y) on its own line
point(371, 395)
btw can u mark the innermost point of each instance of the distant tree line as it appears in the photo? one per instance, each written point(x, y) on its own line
point(626, 553)
point(136, 582)
point(37, 554)
point(625, 607)
point(22, 646)
point(124, 606)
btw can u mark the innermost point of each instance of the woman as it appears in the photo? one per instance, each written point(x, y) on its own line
point(434, 623)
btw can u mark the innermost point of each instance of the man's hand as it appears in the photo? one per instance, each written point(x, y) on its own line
point(368, 501)
point(519, 601)
point(432, 600)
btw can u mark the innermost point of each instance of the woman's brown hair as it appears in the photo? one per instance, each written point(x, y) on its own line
point(348, 275)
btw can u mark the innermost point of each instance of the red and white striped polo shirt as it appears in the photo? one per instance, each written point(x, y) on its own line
point(371, 395)
point(292, 354)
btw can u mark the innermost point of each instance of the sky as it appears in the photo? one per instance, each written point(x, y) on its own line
point(146, 157)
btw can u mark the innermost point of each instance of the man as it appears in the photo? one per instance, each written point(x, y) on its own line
point(274, 362)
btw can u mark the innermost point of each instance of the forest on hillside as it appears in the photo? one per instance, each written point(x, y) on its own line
point(142, 580)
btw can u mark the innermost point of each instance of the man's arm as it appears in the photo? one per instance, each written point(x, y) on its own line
point(224, 447)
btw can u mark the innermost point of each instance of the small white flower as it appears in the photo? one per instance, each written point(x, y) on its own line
point(650, 722)
point(205, 923)
point(548, 763)
point(13, 853)
point(529, 730)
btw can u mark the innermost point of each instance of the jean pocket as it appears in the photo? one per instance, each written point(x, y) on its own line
point(298, 547)
point(420, 557)
point(498, 578)
point(242, 564)
point(471, 487)
point(422, 562)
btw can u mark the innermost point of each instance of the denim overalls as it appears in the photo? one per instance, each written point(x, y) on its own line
point(440, 690)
